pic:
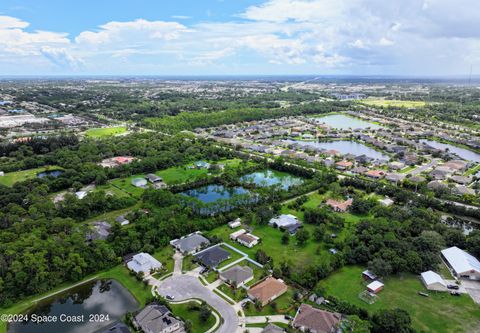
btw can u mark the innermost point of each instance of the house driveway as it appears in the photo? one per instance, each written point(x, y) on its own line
point(473, 289)
point(185, 287)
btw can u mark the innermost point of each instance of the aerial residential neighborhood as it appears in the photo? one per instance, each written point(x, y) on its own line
point(261, 166)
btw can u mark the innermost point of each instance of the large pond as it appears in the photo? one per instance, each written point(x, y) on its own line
point(106, 297)
point(345, 147)
point(270, 177)
point(49, 173)
point(342, 122)
point(214, 192)
point(466, 154)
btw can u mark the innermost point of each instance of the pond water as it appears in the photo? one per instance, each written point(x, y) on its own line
point(49, 173)
point(270, 177)
point(345, 147)
point(342, 122)
point(212, 193)
point(466, 154)
point(96, 297)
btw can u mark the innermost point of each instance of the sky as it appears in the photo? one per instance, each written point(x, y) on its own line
point(240, 37)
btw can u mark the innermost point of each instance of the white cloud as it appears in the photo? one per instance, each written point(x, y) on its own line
point(132, 32)
point(61, 57)
point(8, 22)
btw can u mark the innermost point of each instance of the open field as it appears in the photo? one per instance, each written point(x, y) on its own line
point(312, 252)
point(11, 178)
point(198, 326)
point(104, 132)
point(394, 103)
point(439, 313)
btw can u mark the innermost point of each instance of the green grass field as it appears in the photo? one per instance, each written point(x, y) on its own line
point(104, 132)
point(312, 252)
point(394, 103)
point(11, 178)
point(439, 313)
point(183, 311)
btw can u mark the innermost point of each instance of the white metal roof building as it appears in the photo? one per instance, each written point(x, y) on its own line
point(143, 262)
point(433, 281)
point(284, 220)
point(463, 264)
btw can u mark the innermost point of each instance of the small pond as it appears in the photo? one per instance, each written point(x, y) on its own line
point(343, 122)
point(50, 173)
point(270, 177)
point(96, 297)
point(214, 192)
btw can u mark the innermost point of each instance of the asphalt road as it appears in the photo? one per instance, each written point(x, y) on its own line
point(185, 287)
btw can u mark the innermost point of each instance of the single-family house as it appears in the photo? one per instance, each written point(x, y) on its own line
point(310, 319)
point(117, 328)
point(386, 202)
point(191, 243)
point(267, 290)
point(235, 223)
point(156, 318)
point(272, 328)
point(286, 222)
point(343, 165)
point(369, 275)
point(237, 275)
point(212, 257)
point(143, 262)
point(339, 206)
point(375, 174)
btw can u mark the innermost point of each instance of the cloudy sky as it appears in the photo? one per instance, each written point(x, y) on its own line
point(198, 37)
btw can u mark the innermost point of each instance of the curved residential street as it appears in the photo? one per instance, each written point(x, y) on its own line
point(184, 287)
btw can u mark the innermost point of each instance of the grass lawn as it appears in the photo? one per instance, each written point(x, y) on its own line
point(183, 311)
point(395, 103)
point(236, 294)
point(233, 257)
point(408, 169)
point(473, 170)
point(120, 273)
point(438, 313)
point(188, 264)
point(104, 132)
point(181, 174)
point(211, 277)
point(11, 178)
point(282, 305)
point(165, 256)
point(125, 185)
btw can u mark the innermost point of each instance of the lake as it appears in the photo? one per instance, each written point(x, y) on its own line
point(96, 297)
point(345, 147)
point(49, 173)
point(342, 122)
point(466, 154)
point(270, 177)
point(214, 192)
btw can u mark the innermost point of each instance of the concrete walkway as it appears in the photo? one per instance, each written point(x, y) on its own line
point(178, 261)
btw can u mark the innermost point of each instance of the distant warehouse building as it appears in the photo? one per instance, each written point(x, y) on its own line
point(462, 264)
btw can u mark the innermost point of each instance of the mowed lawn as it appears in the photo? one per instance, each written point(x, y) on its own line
point(395, 103)
point(105, 131)
point(11, 178)
point(198, 326)
point(439, 313)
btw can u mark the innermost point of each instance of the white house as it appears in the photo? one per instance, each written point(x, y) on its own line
point(235, 223)
point(463, 264)
point(433, 281)
point(139, 182)
point(143, 262)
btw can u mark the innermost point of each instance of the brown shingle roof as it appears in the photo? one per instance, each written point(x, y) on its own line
point(268, 288)
point(316, 320)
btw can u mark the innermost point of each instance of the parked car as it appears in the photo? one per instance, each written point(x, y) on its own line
point(170, 297)
point(455, 293)
point(287, 317)
point(453, 286)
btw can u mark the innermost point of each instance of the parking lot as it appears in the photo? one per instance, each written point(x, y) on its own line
point(473, 289)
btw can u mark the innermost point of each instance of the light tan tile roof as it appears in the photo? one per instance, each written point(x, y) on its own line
point(267, 289)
